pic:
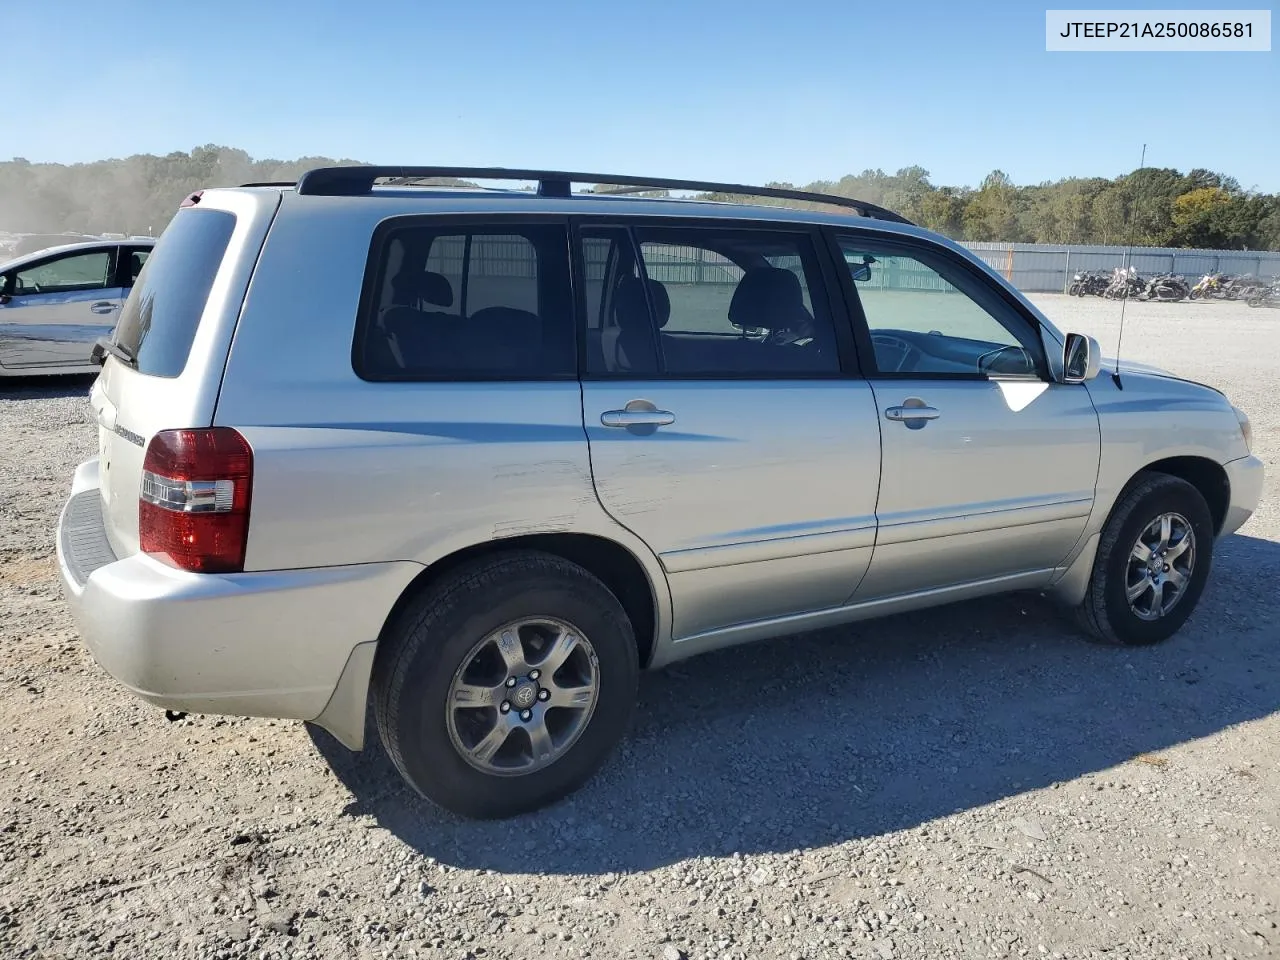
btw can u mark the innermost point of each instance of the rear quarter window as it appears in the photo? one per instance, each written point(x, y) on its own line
point(159, 321)
point(466, 301)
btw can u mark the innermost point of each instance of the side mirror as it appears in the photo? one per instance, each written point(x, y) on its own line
point(1081, 358)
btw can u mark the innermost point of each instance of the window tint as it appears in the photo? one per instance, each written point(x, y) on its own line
point(924, 318)
point(482, 303)
point(66, 274)
point(137, 259)
point(599, 248)
point(685, 302)
point(161, 315)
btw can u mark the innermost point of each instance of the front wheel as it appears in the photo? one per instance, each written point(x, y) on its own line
point(1152, 563)
point(506, 686)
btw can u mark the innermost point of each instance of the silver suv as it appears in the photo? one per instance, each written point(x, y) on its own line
point(481, 455)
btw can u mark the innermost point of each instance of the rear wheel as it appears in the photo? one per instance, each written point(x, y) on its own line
point(1152, 563)
point(507, 685)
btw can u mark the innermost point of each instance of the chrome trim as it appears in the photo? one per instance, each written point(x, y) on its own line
point(778, 548)
point(637, 418)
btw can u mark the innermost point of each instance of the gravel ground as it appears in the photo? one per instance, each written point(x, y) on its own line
point(968, 782)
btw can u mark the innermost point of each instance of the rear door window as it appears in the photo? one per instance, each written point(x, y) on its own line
point(706, 302)
point(470, 302)
point(159, 321)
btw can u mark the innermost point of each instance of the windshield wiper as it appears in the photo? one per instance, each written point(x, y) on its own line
point(105, 345)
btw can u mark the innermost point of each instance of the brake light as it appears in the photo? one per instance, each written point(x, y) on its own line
point(193, 509)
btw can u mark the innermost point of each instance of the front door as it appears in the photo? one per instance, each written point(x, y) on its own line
point(989, 466)
point(722, 429)
point(52, 311)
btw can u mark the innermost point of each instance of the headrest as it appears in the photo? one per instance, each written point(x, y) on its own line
point(409, 287)
point(631, 311)
point(661, 302)
point(768, 297)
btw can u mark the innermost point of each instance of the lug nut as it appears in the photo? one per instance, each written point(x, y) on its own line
point(506, 707)
point(544, 694)
point(534, 674)
point(511, 681)
point(1166, 568)
point(526, 715)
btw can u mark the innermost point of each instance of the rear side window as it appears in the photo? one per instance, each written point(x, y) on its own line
point(472, 302)
point(161, 316)
point(706, 303)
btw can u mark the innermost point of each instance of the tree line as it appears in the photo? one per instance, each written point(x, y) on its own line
point(1153, 206)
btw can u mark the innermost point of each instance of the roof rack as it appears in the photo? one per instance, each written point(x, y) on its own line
point(271, 183)
point(351, 181)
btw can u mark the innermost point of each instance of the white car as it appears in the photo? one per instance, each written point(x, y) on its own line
point(56, 303)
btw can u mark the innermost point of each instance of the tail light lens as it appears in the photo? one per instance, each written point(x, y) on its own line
point(193, 510)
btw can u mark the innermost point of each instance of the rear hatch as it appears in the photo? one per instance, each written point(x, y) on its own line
point(164, 362)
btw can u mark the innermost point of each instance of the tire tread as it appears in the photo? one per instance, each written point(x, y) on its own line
point(1091, 615)
point(414, 629)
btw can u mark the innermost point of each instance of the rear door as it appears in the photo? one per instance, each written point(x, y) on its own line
point(176, 325)
point(52, 310)
point(723, 427)
point(989, 466)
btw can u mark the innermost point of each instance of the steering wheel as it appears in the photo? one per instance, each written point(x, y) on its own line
point(988, 360)
point(893, 343)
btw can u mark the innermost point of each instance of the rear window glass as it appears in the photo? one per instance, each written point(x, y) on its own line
point(161, 316)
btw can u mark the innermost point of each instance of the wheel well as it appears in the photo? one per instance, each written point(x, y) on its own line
point(612, 563)
point(1206, 476)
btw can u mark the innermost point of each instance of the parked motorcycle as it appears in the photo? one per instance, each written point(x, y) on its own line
point(1088, 283)
point(1210, 286)
point(1268, 296)
point(1168, 287)
point(1124, 284)
point(1246, 287)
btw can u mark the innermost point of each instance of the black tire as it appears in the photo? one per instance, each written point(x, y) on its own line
point(436, 632)
point(1105, 615)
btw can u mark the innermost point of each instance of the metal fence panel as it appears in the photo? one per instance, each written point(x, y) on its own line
point(1044, 268)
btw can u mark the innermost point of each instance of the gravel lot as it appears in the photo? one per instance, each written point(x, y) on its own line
point(969, 782)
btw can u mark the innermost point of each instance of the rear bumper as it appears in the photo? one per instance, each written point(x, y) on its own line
point(270, 644)
point(1245, 477)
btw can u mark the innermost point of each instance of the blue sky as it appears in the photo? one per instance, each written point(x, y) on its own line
point(716, 89)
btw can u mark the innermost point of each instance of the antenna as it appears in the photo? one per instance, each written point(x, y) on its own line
point(1128, 257)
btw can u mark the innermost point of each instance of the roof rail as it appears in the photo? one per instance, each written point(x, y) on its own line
point(350, 181)
point(271, 183)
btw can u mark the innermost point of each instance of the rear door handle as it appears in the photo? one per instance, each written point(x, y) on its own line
point(102, 306)
point(912, 413)
point(637, 418)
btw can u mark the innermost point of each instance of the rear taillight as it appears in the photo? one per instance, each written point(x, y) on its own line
point(193, 510)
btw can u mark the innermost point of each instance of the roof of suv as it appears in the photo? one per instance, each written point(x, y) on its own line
point(554, 196)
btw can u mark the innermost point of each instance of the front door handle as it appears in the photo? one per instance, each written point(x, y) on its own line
point(914, 413)
point(637, 418)
point(102, 306)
